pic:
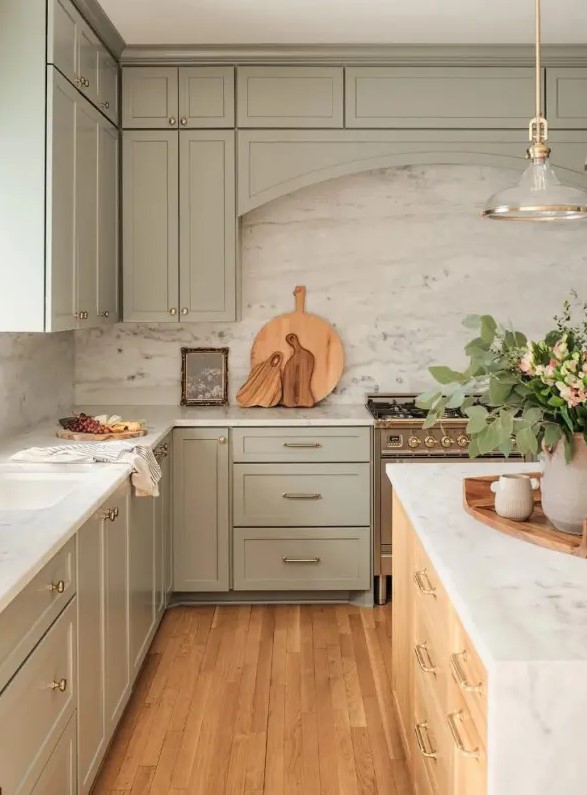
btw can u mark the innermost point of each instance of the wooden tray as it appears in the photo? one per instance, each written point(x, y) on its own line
point(98, 437)
point(479, 502)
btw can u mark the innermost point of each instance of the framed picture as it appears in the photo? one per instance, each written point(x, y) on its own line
point(204, 376)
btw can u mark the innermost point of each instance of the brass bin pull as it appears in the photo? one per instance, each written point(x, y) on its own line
point(287, 496)
point(60, 685)
point(301, 560)
point(302, 444)
point(452, 719)
point(459, 675)
point(418, 728)
point(427, 667)
point(423, 582)
point(58, 587)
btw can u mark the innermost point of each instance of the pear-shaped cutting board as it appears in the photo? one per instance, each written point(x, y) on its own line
point(314, 334)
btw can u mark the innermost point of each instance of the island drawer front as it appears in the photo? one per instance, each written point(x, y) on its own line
point(430, 599)
point(37, 704)
point(431, 727)
point(290, 96)
point(294, 495)
point(431, 661)
point(298, 559)
point(264, 445)
point(33, 611)
point(469, 768)
point(469, 676)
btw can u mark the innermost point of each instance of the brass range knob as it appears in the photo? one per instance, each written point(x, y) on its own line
point(414, 442)
point(446, 442)
point(430, 441)
point(462, 440)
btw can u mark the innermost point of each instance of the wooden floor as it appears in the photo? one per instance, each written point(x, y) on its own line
point(263, 699)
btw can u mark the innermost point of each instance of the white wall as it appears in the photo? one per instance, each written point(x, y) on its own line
point(36, 379)
point(394, 259)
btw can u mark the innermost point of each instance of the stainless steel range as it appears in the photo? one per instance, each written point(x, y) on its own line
point(400, 437)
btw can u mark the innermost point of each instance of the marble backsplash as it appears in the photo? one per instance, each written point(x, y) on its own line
point(36, 379)
point(394, 259)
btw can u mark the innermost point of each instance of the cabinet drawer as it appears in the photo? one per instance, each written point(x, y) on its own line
point(431, 661)
point(299, 559)
point(34, 713)
point(469, 767)
point(426, 97)
point(469, 676)
point(30, 614)
point(60, 774)
point(433, 744)
point(290, 495)
point(430, 599)
point(290, 96)
point(301, 444)
point(206, 96)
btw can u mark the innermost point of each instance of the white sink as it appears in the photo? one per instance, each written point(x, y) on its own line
point(32, 491)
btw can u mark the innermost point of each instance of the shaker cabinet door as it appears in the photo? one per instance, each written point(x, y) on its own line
point(206, 96)
point(142, 578)
point(150, 97)
point(108, 85)
point(207, 226)
point(86, 211)
point(62, 41)
point(106, 307)
point(150, 226)
point(88, 51)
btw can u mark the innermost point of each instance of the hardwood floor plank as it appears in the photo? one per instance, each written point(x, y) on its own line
point(262, 700)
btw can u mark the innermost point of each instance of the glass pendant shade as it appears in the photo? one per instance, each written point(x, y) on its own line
point(538, 196)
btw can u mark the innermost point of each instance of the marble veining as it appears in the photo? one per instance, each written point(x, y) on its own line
point(393, 258)
point(36, 379)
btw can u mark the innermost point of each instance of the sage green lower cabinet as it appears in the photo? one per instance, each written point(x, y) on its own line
point(207, 225)
point(301, 558)
point(201, 509)
point(103, 661)
point(150, 215)
point(163, 540)
point(59, 775)
point(290, 495)
point(142, 567)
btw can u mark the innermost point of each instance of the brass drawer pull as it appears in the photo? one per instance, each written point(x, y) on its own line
point(58, 587)
point(109, 514)
point(459, 675)
point(423, 582)
point(452, 719)
point(160, 452)
point(427, 667)
point(60, 685)
point(302, 444)
point(301, 560)
point(314, 496)
point(427, 754)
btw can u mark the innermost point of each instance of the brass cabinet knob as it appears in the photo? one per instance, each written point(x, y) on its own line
point(172, 121)
point(58, 587)
point(185, 310)
point(222, 440)
point(105, 314)
point(105, 105)
point(173, 311)
point(86, 82)
point(109, 514)
point(60, 684)
point(79, 81)
point(183, 121)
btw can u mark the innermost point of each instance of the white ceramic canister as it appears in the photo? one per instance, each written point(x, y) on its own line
point(513, 496)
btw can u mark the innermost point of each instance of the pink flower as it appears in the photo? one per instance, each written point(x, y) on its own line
point(527, 363)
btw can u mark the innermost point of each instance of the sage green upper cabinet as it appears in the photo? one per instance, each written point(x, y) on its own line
point(86, 210)
point(289, 96)
point(150, 226)
point(108, 85)
point(62, 39)
point(88, 49)
point(207, 226)
point(200, 509)
point(566, 98)
point(150, 97)
point(206, 96)
point(430, 97)
point(106, 308)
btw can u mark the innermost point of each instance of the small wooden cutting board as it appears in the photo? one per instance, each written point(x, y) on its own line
point(314, 334)
point(98, 437)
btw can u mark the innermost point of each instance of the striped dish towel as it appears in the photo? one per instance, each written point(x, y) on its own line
point(146, 471)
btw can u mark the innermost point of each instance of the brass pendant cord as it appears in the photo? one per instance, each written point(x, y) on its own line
point(538, 62)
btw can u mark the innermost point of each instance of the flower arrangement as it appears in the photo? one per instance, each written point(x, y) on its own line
point(533, 392)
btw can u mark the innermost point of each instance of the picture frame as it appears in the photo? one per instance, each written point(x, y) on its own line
point(204, 376)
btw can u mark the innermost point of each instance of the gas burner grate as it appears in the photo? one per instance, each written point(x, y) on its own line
point(404, 409)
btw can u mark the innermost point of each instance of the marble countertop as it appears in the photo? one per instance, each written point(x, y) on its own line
point(29, 539)
point(517, 601)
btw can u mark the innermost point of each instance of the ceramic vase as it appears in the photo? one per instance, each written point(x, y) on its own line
point(564, 486)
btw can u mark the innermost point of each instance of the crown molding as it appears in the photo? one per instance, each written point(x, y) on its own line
point(372, 54)
point(97, 18)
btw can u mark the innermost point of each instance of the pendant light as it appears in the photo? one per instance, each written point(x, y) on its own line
point(538, 196)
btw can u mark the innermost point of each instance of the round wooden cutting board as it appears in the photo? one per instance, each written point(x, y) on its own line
point(314, 334)
point(98, 437)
